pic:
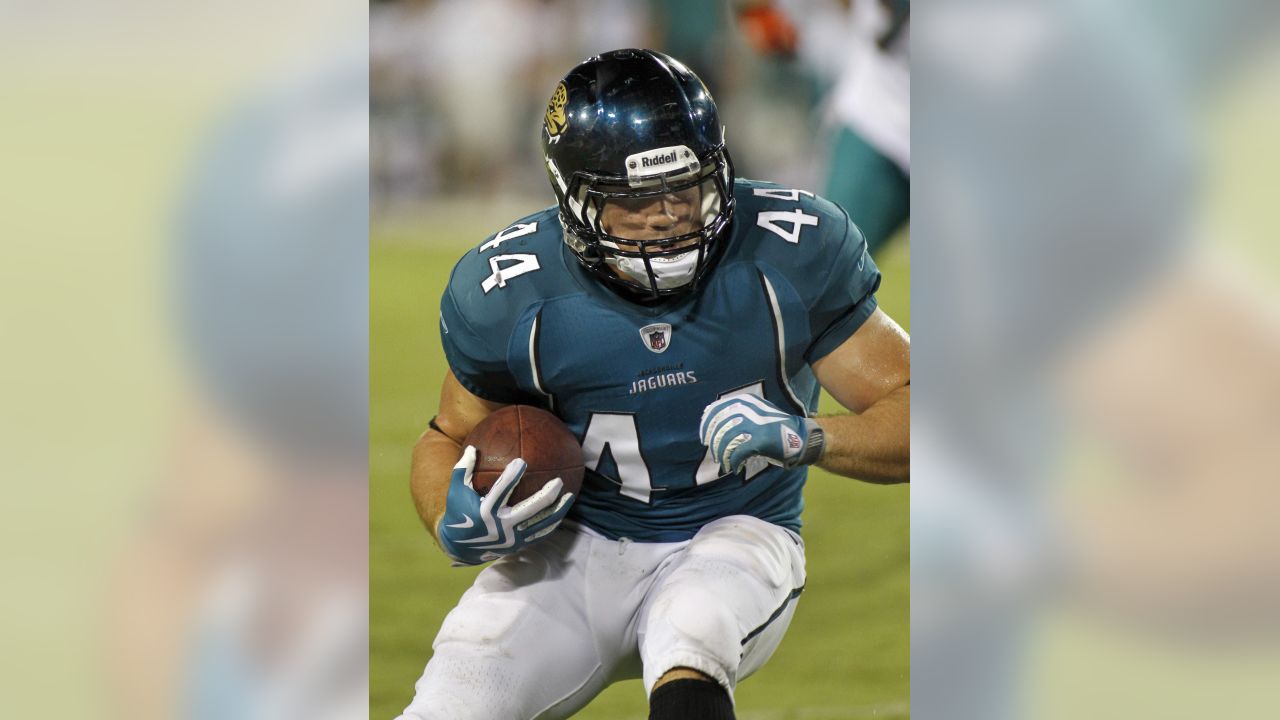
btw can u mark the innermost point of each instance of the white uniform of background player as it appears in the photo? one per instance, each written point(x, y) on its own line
point(864, 50)
point(873, 94)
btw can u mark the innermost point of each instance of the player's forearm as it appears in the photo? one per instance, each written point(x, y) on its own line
point(433, 459)
point(874, 446)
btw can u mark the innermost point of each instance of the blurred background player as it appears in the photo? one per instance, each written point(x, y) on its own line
point(427, 65)
point(243, 591)
point(1103, 451)
point(433, 130)
point(859, 54)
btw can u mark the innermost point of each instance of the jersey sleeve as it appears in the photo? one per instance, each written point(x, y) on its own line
point(476, 351)
point(847, 297)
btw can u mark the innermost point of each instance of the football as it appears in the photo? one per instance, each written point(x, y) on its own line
point(522, 431)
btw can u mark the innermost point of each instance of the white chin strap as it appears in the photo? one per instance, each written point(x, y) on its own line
point(672, 271)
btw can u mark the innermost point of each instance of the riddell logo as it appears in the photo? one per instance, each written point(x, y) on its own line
point(659, 160)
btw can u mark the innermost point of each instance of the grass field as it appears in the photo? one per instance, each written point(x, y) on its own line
point(846, 654)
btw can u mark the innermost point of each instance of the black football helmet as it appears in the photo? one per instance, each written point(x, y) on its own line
point(630, 127)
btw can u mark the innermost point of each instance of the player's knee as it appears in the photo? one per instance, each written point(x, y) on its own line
point(451, 706)
point(470, 712)
point(464, 681)
point(693, 631)
point(696, 696)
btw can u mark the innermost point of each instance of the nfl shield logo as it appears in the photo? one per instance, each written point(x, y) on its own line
point(657, 337)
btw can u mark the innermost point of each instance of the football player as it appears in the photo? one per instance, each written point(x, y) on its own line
point(681, 322)
point(869, 160)
point(869, 170)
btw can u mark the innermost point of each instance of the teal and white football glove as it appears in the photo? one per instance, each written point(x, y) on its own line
point(478, 529)
point(740, 427)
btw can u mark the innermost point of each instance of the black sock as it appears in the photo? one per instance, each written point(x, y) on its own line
point(690, 699)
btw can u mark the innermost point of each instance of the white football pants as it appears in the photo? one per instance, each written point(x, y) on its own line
point(543, 631)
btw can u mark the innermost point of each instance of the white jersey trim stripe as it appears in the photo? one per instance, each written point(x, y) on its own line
point(534, 370)
point(782, 344)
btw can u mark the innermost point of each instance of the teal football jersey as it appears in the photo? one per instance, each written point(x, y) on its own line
point(523, 322)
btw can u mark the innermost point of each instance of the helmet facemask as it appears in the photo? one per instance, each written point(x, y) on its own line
point(631, 253)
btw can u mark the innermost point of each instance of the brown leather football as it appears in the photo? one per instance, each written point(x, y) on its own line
point(547, 446)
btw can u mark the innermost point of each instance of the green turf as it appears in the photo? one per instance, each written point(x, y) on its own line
point(846, 654)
